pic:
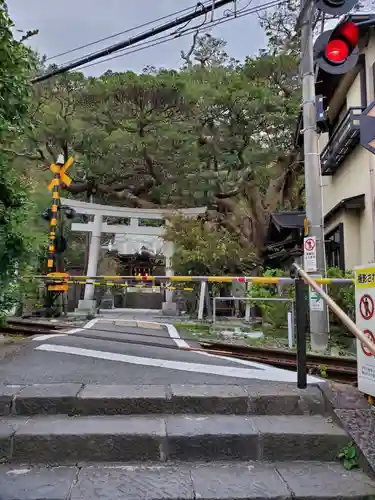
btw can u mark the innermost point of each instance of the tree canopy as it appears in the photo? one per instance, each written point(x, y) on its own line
point(215, 133)
point(17, 242)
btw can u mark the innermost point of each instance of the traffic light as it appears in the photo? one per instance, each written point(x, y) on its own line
point(335, 7)
point(336, 51)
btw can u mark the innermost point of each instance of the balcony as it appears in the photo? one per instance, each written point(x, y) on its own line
point(344, 139)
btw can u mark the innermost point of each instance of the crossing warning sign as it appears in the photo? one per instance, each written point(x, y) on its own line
point(365, 320)
point(309, 254)
point(366, 307)
point(310, 244)
point(372, 338)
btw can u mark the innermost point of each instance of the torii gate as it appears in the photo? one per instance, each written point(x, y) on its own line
point(125, 236)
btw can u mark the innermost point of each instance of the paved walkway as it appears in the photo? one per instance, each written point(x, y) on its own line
point(123, 351)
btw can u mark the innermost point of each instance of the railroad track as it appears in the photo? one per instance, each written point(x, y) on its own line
point(16, 326)
point(339, 369)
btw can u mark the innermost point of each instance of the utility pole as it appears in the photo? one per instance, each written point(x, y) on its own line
point(319, 327)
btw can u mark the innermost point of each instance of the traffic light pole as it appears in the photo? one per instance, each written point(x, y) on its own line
point(319, 328)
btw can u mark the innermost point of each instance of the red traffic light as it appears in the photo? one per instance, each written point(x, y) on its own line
point(336, 51)
point(349, 31)
point(342, 43)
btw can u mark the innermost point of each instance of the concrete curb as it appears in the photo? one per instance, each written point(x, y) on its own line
point(67, 440)
point(78, 399)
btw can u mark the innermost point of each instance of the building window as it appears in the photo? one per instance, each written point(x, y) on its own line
point(334, 242)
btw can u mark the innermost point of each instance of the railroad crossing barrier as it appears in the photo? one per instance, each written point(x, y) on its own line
point(299, 308)
point(56, 282)
point(255, 280)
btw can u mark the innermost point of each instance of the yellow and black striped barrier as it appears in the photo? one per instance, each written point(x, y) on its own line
point(260, 280)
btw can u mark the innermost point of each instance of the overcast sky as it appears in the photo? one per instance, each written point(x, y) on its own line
point(66, 24)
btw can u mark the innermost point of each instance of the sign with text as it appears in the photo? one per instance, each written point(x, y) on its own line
point(365, 320)
point(315, 299)
point(309, 254)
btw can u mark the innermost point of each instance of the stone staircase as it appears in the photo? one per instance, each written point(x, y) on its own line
point(260, 441)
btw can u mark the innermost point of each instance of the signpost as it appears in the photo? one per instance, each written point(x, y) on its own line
point(309, 254)
point(60, 174)
point(365, 320)
point(316, 301)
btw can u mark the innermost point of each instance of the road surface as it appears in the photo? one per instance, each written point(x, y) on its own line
point(117, 351)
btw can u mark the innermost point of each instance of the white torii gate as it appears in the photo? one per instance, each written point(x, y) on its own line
point(126, 236)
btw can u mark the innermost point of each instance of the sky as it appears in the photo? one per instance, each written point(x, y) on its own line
point(67, 24)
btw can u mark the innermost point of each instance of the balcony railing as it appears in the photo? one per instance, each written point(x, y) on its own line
point(342, 142)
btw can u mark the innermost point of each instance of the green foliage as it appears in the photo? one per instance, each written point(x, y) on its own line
point(214, 133)
point(274, 313)
point(199, 252)
point(344, 296)
point(17, 243)
point(348, 456)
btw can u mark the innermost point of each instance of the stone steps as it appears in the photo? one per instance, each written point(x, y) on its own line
point(224, 481)
point(77, 399)
point(64, 439)
point(255, 442)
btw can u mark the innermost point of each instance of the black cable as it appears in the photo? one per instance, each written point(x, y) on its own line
point(127, 43)
point(132, 29)
point(170, 36)
point(235, 12)
point(90, 44)
point(167, 38)
point(199, 4)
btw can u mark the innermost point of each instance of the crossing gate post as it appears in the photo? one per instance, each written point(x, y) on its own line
point(301, 327)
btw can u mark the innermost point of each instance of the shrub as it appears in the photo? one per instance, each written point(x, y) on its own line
point(274, 313)
point(344, 296)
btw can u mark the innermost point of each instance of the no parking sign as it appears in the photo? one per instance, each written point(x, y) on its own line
point(365, 320)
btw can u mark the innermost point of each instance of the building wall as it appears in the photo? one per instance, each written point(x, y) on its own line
point(352, 236)
point(353, 178)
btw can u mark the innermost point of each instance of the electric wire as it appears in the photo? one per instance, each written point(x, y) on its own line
point(84, 61)
point(235, 11)
point(170, 36)
point(129, 30)
point(128, 42)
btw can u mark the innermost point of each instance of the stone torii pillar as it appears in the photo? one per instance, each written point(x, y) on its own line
point(88, 302)
point(169, 307)
point(133, 230)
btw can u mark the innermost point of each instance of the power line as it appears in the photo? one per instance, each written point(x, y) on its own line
point(129, 30)
point(132, 41)
point(171, 36)
point(121, 50)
